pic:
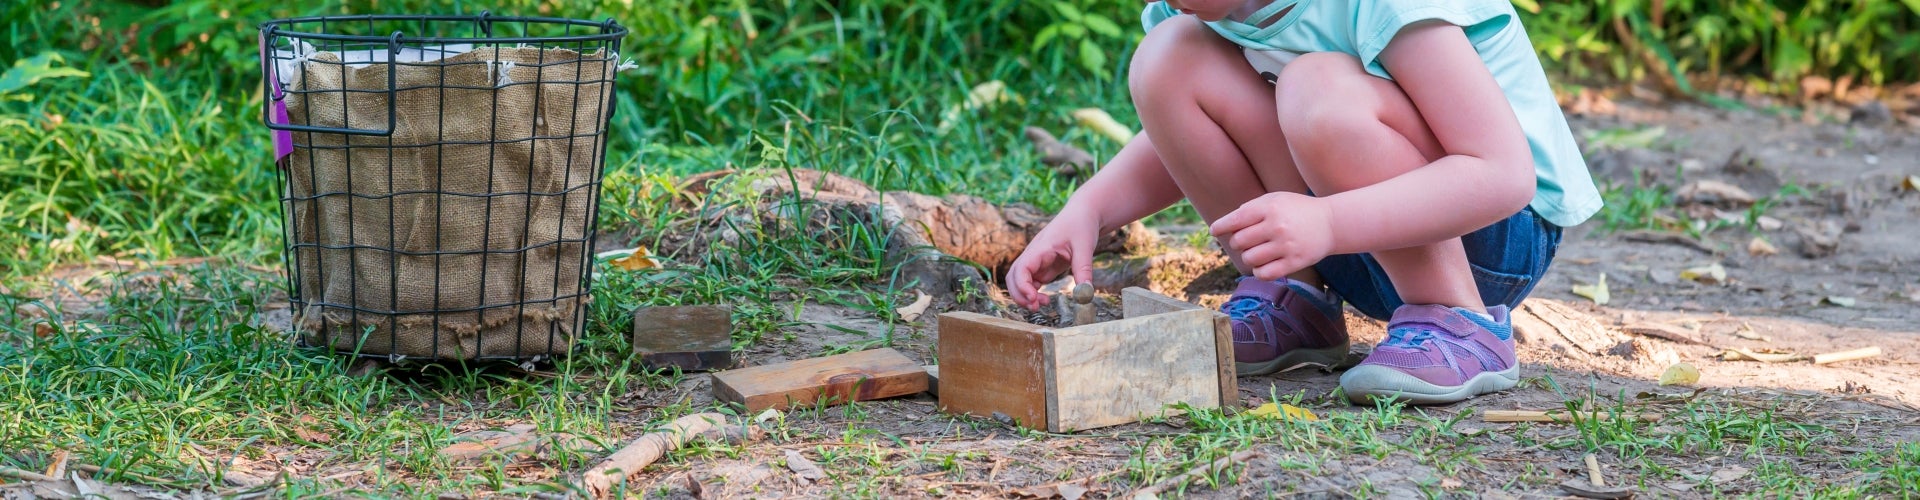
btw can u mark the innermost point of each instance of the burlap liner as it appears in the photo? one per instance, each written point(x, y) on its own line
point(481, 159)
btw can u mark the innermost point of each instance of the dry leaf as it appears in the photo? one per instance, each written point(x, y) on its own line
point(764, 416)
point(1071, 491)
point(639, 259)
point(1711, 275)
point(307, 430)
point(1728, 474)
point(911, 312)
point(1596, 292)
point(1910, 183)
point(43, 329)
point(1746, 332)
point(1714, 192)
point(1680, 374)
point(1283, 411)
point(1099, 121)
point(1761, 355)
point(981, 96)
point(804, 468)
point(1760, 248)
point(1838, 300)
point(1768, 223)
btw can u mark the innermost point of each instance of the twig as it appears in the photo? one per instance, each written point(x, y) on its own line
point(1836, 357)
point(1645, 236)
point(1507, 416)
point(1154, 490)
point(1593, 471)
point(24, 475)
point(97, 470)
point(599, 480)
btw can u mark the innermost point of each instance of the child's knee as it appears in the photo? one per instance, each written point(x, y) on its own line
point(1168, 56)
point(1321, 90)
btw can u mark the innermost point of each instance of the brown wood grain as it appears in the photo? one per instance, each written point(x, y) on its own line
point(691, 338)
point(859, 376)
point(1138, 302)
point(991, 365)
point(1115, 372)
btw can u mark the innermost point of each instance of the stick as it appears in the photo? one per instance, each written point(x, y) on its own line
point(1195, 473)
point(98, 470)
point(1593, 471)
point(24, 475)
point(1836, 357)
point(644, 451)
point(1504, 416)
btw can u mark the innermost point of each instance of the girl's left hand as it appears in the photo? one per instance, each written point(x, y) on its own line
point(1278, 234)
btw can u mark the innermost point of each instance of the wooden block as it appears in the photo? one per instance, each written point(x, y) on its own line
point(933, 379)
point(691, 338)
point(993, 366)
point(1088, 376)
point(1136, 302)
point(832, 380)
point(1115, 372)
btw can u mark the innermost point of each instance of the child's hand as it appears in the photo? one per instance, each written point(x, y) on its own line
point(1278, 234)
point(1066, 242)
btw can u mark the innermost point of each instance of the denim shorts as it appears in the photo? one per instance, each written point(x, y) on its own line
point(1507, 258)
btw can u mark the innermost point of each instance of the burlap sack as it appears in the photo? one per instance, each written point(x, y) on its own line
point(462, 235)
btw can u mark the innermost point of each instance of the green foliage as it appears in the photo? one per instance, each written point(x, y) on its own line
point(1781, 40)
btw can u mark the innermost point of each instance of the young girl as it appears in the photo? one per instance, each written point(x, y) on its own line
point(1406, 157)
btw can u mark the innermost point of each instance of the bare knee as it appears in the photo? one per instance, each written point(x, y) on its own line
point(1167, 58)
point(1324, 95)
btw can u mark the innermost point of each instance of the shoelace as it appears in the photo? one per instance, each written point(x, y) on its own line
point(1242, 307)
point(1408, 337)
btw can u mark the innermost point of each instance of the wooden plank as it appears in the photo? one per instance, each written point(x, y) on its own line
point(1138, 302)
point(691, 338)
point(1114, 372)
point(859, 376)
point(1223, 352)
point(991, 365)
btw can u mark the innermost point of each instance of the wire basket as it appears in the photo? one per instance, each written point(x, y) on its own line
point(440, 179)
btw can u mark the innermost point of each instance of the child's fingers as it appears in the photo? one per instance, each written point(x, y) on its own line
point(1233, 222)
point(1082, 262)
point(1020, 282)
point(1262, 253)
point(1276, 269)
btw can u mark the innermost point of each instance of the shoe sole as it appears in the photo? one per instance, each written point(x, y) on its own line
point(1365, 384)
point(1325, 357)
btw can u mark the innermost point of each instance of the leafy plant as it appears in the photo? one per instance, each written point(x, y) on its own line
point(1076, 28)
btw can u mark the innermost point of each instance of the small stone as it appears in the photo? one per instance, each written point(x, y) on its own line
point(1872, 114)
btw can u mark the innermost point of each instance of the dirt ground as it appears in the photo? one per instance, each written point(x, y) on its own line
point(1848, 183)
point(1844, 277)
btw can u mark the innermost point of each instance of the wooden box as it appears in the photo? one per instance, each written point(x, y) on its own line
point(1165, 351)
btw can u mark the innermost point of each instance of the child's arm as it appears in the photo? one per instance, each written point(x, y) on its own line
point(1131, 186)
point(1486, 176)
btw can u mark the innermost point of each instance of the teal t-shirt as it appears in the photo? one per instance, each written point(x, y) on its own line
point(1565, 194)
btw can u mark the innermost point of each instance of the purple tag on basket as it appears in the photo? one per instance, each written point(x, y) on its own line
point(282, 139)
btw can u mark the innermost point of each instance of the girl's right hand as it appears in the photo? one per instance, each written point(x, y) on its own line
point(1065, 243)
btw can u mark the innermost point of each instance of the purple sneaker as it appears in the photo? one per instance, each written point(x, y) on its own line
point(1279, 327)
point(1437, 355)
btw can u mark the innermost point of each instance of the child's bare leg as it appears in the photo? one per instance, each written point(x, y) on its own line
point(1346, 130)
point(1211, 119)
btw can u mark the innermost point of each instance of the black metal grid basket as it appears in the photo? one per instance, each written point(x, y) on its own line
point(440, 178)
